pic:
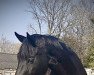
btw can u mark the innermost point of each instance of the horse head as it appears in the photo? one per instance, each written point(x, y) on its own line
point(32, 56)
point(35, 53)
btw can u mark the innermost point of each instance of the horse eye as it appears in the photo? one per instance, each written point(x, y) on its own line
point(31, 60)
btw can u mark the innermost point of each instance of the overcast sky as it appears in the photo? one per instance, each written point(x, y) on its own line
point(14, 17)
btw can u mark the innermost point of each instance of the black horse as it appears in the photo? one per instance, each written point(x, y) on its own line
point(36, 51)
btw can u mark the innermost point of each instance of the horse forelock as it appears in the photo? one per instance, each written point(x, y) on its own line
point(25, 51)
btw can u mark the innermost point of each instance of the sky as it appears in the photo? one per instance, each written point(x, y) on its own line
point(14, 18)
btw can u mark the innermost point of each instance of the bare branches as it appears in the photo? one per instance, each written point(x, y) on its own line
point(8, 47)
point(49, 11)
point(31, 29)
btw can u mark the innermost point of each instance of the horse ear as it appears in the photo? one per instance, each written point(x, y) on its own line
point(31, 40)
point(20, 37)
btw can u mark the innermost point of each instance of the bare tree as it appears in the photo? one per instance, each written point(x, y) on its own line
point(51, 12)
point(8, 47)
